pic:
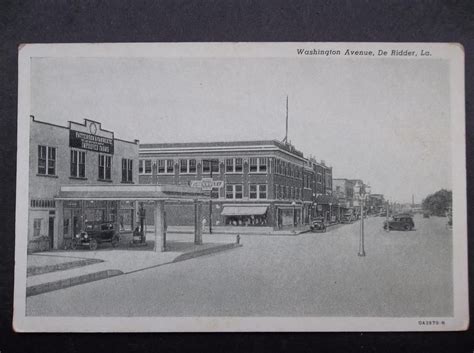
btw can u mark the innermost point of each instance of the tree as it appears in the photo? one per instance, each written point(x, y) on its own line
point(439, 202)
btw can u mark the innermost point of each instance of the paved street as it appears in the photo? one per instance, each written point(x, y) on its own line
point(403, 274)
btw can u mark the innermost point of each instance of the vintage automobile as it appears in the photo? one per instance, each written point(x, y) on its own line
point(347, 218)
point(318, 226)
point(94, 233)
point(426, 215)
point(399, 222)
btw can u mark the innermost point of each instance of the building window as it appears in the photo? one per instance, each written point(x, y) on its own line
point(169, 166)
point(215, 193)
point(262, 191)
point(192, 166)
point(161, 166)
point(208, 163)
point(275, 191)
point(253, 191)
point(258, 165)
point(319, 178)
point(233, 191)
point(105, 167)
point(233, 165)
point(37, 227)
point(78, 164)
point(262, 164)
point(42, 203)
point(187, 166)
point(127, 170)
point(46, 160)
point(183, 166)
point(144, 166)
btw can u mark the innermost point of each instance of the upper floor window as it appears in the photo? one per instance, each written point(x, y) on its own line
point(233, 191)
point(46, 160)
point(233, 165)
point(105, 167)
point(207, 164)
point(187, 166)
point(165, 166)
point(144, 166)
point(127, 170)
point(78, 164)
point(258, 164)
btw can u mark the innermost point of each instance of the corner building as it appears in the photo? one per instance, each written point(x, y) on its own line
point(258, 183)
point(74, 157)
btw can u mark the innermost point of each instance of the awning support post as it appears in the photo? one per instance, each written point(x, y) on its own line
point(197, 222)
point(160, 234)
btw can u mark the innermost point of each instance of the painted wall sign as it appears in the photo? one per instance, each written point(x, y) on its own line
point(90, 142)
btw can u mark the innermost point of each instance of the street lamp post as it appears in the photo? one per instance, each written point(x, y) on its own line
point(362, 194)
point(330, 212)
point(294, 213)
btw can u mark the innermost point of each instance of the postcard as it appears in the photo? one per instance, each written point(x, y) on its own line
point(241, 187)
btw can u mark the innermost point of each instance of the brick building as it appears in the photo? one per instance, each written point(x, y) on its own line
point(258, 183)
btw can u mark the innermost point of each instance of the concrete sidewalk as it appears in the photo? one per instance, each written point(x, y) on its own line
point(55, 270)
point(237, 230)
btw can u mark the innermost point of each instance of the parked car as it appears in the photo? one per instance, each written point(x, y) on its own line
point(318, 226)
point(399, 222)
point(347, 218)
point(94, 233)
point(426, 215)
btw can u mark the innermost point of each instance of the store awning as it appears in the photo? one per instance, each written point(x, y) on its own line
point(244, 210)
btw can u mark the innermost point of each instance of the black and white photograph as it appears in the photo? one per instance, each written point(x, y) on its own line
point(210, 187)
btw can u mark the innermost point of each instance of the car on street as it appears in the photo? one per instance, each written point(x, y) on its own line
point(94, 233)
point(318, 226)
point(400, 222)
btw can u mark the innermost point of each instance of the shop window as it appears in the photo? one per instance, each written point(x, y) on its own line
point(105, 167)
point(127, 170)
point(207, 164)
point(37, 227)
point(144, 166)
point(46, 160)
point(78, 164)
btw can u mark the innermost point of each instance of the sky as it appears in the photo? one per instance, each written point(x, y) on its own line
point(385, 121)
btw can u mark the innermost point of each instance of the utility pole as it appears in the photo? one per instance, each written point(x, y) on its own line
point(285, 140)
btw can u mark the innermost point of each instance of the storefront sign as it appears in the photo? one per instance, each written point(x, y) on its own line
point(206, 184)
point(90, 142)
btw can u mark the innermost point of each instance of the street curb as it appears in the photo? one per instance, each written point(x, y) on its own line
point(38, 270)
point(69, 282)
point(208, 251)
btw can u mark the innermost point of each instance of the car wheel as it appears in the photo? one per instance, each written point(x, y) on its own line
point(74, 244)
point(93, 244)
point(115, 241)
point(407, 227)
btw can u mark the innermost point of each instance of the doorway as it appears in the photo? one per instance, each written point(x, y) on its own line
point(51, 232)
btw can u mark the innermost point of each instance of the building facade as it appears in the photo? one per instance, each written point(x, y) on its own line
point(256, 183)
point(80, 155)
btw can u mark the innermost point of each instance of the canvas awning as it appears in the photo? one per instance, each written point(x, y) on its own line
point(244, 210)
point(326, 200)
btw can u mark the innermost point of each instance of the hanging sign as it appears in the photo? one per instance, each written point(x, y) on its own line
point(206, 184)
